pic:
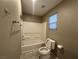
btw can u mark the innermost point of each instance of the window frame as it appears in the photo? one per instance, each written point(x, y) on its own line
point(53, 22)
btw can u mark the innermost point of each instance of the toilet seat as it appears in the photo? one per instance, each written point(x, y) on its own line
point(44, 51)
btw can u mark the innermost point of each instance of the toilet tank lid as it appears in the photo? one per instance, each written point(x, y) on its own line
point(49, 39)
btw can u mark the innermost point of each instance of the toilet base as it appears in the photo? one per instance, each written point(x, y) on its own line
point(44, 57)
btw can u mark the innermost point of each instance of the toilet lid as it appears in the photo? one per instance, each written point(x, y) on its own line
point(48, 43)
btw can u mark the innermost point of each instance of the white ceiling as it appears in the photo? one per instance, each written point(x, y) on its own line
point(35, 8)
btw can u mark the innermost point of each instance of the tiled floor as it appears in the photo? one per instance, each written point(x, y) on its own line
point(31, 54)
point(53, 57)
point(35, 56)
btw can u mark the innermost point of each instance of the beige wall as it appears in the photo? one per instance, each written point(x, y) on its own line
point(66, 33)
point(9, 41)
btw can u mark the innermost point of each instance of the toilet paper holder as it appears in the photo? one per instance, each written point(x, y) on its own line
point(60, 49)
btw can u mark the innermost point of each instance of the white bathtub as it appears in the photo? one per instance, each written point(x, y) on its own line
point(31, 46)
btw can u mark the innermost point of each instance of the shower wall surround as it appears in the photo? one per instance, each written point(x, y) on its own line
point(31, 30)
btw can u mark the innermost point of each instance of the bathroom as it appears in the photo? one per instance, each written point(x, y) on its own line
point(26, 28)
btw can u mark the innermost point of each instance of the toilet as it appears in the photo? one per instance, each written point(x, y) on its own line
point(45, 51)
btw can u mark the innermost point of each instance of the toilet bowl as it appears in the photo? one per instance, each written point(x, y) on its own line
point(44, 51)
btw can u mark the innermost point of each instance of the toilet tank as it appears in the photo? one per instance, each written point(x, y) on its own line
point(50, 43)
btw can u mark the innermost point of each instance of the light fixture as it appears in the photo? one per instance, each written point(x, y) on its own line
point(43, 6)
point(33, 0)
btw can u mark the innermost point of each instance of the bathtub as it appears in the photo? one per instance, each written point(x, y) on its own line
point(31, 46)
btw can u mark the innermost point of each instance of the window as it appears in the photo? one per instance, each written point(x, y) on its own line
point(53, 22)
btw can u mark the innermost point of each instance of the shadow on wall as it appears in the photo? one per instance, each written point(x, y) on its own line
point(30, 18)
